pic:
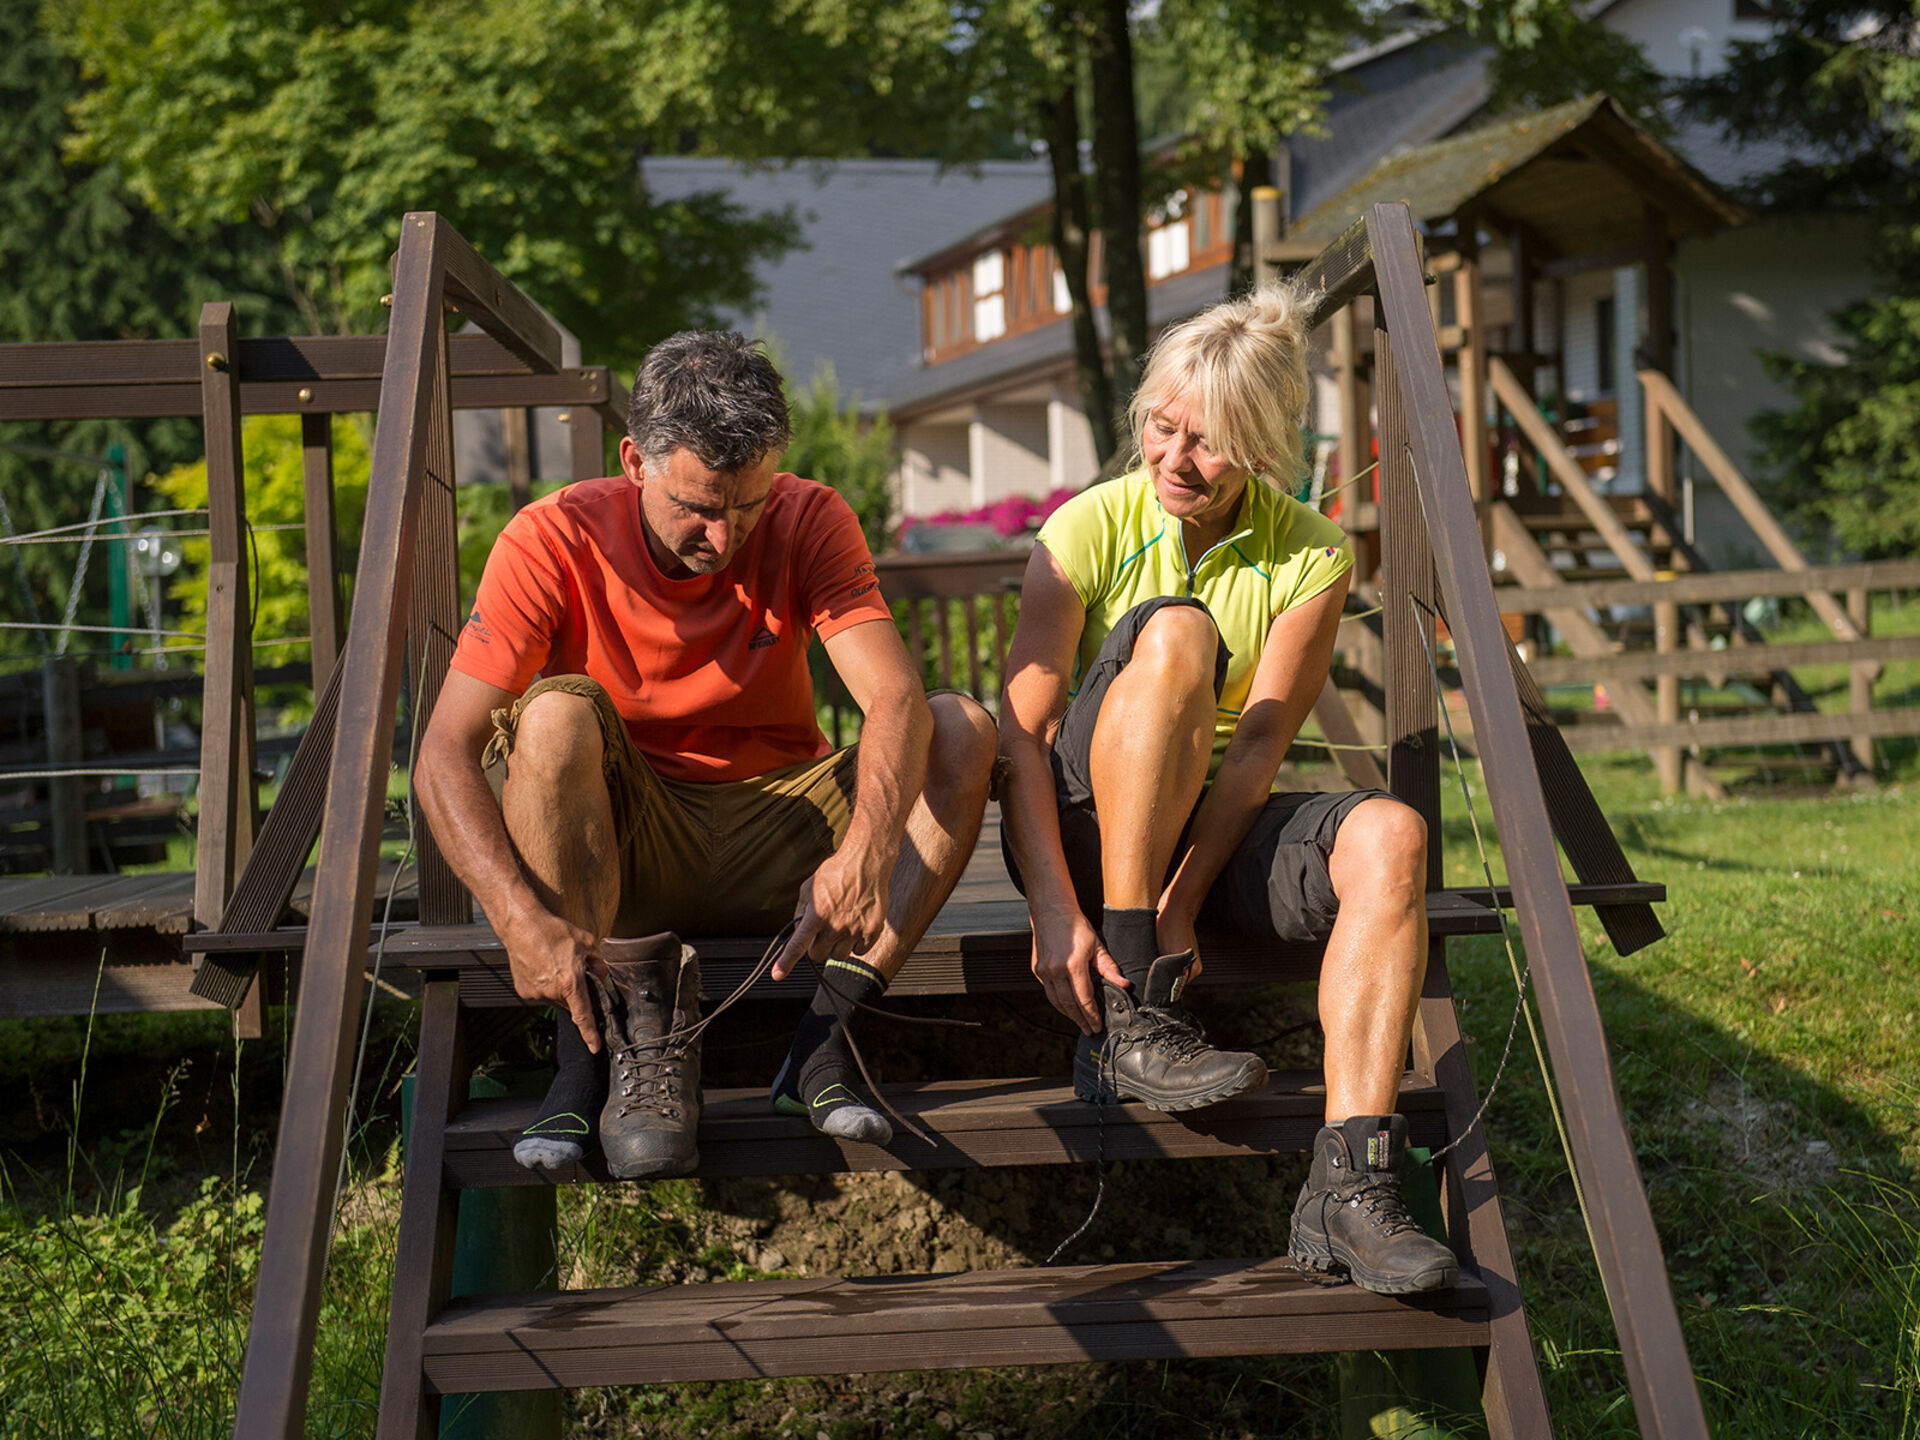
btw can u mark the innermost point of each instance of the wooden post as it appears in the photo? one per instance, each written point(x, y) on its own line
point(1860, 677)
point(1267, 229)
point(587, 444)
point(1473, 378)
point(227, 814)
point(518, 457)
point(1354, 430)
point(325, 612)
point(1666, 632)
point(66, 794)
point(1659, 291)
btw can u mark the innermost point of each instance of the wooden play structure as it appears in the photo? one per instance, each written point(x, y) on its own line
point(1513, 215)
point(405, 613)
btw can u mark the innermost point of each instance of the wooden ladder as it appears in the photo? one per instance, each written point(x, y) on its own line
point(405, 614)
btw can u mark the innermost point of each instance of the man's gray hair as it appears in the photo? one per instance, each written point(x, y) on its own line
point(713, 392)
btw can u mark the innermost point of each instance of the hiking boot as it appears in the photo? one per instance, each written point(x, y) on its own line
point(1351, 1216)
point(651, 991)
point(1153, 1051)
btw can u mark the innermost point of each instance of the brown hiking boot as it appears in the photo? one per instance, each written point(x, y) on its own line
point(652, 990)
point(1352, 1217)
point(1153, 1051)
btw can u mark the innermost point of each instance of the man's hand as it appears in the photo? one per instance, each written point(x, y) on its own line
point(843, 908)
point(1067, 953)
point(550, 960)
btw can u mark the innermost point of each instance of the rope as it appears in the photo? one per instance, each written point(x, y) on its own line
point(80, 566)
point(61, 532)
point(1520, 973)
point(103, 630)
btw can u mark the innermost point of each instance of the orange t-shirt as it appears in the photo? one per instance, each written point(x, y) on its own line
point(710, 672)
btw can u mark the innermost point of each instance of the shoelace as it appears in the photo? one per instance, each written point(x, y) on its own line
point(764, 965)
point(1379, 1198)
point(647, 1081)
point(1174, 1032)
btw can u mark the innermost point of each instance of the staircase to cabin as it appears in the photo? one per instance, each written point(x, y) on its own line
point(1600, 536)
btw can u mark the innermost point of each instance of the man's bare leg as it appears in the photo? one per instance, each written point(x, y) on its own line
point(569, 851)
point(571, 859)
point(1376, 958)
point(818, 1078)
point(942, 827)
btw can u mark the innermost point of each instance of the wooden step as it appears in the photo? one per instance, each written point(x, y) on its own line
point(972, 1122)
point(761, 1328)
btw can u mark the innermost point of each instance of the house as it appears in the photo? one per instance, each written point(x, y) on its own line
point(991, 409)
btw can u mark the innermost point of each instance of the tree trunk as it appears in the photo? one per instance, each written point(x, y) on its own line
point(1060, 124)
point(1117, 193)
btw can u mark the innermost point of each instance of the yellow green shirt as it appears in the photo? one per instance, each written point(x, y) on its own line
point(1119, 548)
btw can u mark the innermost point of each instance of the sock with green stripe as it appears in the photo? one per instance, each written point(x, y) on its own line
point(560, 1134)
point(819, 1078)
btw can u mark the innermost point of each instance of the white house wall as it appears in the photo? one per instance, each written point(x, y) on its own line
point(934, 473)
point(1770, 286)
point(1070, 455)
point(1007, 451)
point(1682, 37)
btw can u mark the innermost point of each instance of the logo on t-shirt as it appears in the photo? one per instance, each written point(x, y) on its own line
point(479, 627)
point(762, 638)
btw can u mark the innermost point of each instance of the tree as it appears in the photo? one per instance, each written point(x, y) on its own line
point(85, 260)
point(1838, 83)
point(321, 126)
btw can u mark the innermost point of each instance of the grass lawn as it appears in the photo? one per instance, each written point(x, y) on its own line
point(1764, 1053)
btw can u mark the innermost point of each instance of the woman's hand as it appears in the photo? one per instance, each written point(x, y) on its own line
point(1067, 954)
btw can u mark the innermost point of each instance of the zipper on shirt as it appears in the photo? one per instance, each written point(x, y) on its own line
point(1193, 567)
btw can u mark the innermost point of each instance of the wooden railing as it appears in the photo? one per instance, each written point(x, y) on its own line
point(1859, 724)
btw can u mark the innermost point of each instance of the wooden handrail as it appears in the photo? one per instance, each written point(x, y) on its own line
point(410, 440)
point(1544, 438)
point(1626, 1245)
point(1661, 394)
point(1716, 585)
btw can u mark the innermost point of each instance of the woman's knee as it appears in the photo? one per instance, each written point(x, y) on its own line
point(1177, 643)
point(1384, 841)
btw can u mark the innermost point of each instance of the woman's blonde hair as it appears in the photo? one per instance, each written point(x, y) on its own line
point(1243, 365)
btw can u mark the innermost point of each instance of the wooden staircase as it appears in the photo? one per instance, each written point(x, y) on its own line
point(405, 607)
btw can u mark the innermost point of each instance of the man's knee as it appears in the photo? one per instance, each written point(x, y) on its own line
point(556, 731)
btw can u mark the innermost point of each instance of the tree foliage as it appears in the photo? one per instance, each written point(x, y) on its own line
point(83, 259)
point(322, 124)
point(832, 444)
point(1838, 85)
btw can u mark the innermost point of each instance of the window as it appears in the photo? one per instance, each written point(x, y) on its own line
point(1167, 250)
point(989, 296)
point(1062, 300)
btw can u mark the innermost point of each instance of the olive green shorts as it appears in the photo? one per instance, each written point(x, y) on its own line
point(700, 858)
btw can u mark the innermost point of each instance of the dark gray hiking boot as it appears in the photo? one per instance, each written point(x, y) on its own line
point(1153, 1051)
point(1351, 1216)
point(647, 1128)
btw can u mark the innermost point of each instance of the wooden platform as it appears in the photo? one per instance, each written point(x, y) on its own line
point(755, 1329)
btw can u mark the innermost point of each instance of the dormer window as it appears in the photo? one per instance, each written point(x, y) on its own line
point(990, 296)
point(1169, 242)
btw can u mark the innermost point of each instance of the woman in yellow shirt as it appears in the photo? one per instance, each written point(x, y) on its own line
point(1176, 627)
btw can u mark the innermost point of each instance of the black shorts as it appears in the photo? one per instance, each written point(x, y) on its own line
point(1275, 887)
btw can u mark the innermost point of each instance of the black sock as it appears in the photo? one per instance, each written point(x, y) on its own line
point(1132, 939)
point(563, 1128)
point(819, 1078)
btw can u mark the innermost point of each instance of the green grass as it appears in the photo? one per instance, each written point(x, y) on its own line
point(1763, 1053)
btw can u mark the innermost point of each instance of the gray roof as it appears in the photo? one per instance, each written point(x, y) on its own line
point(836, 299)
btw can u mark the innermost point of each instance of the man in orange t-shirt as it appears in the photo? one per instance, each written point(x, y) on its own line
point(626, 743)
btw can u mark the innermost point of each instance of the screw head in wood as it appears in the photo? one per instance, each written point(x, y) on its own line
point(306, 396)
point(216, 361)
